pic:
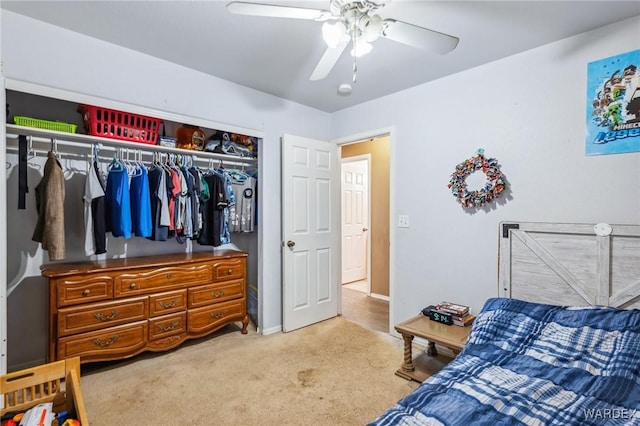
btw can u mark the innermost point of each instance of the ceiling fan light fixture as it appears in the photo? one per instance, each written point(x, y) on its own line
point(333, 34)
point(372, 28)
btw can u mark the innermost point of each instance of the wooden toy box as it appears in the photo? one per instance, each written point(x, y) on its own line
point(57, 382)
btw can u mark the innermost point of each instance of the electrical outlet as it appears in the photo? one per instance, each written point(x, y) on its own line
point(403, 221)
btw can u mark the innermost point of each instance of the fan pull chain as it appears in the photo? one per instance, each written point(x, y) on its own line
point(355, 69)
point(355, 50)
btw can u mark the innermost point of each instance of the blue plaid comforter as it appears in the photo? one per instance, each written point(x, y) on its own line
point(534, 364)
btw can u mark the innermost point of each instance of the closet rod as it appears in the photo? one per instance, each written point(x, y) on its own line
point(112, 144)
point(105, 158)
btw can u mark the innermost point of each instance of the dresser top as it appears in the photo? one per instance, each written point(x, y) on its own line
point(74, 268)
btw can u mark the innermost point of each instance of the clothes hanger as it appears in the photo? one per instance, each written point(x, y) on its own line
point(54, 147)
point(133, 170)
point(140, 160)
point(116, 162)
point(237, 175)
point(70, 169)
point(164, 164)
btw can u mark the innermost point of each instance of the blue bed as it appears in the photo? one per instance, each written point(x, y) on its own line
point(535, 364)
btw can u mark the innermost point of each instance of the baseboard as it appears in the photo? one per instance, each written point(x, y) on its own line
point(380, 296)
point(272, 330)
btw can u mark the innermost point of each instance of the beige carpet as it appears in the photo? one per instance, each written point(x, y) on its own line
point(331, 373)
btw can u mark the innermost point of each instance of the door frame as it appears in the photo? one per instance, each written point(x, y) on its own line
point(367, 158)
point(374, 133)
point(3, 227)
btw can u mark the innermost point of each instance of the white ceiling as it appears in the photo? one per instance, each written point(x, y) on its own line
point(277, 56)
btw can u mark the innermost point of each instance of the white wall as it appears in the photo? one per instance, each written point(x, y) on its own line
point(46, 55)
point(528, 111)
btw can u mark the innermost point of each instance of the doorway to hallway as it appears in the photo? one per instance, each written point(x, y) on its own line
point(366, 233)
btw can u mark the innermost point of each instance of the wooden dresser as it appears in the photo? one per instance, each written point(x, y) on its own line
point(117, 308)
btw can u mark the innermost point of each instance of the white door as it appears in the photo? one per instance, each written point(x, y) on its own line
point(355, 219)
point(311, 231)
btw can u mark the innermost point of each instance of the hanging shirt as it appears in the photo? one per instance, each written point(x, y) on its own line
point(196, 216)
point(181, 202)
point(188, 217)
point(159, 204)
point(225, 236)
point(213, 211)
point(118, 204)
point(92, 190)
point(173, 188)
point(163, 196)
point(140, 203)
point(242, 214)
point(98, 213)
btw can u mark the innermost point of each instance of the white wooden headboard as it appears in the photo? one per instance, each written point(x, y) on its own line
point(570, 264)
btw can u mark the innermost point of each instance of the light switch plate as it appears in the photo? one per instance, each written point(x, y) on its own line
point(403, 221)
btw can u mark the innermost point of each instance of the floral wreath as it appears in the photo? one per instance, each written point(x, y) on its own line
point(492, 188)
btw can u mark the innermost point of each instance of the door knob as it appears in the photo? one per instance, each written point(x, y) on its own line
point(365, 229)
point(290, 244)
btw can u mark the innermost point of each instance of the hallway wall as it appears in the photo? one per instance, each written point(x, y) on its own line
point(379, 191)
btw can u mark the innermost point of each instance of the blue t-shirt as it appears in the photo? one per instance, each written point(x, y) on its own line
point(141, 203)
point(117, 201)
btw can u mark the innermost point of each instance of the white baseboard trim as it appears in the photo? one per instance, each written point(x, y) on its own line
point(380, 296)
point(272, 330)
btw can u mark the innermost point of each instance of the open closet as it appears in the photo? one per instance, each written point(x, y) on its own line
point(27, 151)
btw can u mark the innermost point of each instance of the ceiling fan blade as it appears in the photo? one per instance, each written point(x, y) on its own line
point(328, 60)
point(276, 11)
point(419, 37)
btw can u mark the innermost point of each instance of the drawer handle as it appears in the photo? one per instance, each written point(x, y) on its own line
point(169, 276)
point(133, 286)
point(113, 315)
point(86, 292)
point(230, 271)
point(169, 305)
point(218, 315)
point(218, 294)
point(170, 327)
point(106, 343)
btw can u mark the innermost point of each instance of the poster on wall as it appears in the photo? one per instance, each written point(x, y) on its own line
point(613, 104)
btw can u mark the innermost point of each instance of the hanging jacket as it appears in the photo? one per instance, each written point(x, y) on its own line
point(50, 205)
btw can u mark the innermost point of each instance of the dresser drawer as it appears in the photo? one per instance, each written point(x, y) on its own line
point(110, 343)
point(101, 315)
point(83, 289)
point(167, 325)
point(229, 269)
point(204, 319)
point(214, 293)
point(167, 278)
point(167, 303)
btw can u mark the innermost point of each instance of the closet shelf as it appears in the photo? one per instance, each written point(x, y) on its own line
point(80, 140)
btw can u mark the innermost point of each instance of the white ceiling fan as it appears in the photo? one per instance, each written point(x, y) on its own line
point(351, 21)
